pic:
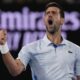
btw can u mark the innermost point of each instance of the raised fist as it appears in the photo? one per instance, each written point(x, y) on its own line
point(3, 36)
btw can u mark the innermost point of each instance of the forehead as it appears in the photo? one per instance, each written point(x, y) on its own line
point(53, 9)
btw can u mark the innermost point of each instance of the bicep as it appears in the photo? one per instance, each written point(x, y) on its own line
point(78, 77)
point(18, 69)
point(20, 65)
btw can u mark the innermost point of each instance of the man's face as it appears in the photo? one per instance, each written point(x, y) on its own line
point(52, 19)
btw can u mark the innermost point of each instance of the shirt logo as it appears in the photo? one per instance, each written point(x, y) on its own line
point(70, 52)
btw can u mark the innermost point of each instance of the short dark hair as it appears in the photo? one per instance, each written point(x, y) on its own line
point(54, 4)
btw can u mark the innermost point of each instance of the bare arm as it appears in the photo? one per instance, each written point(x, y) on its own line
point(14, 66)
point(78, 77)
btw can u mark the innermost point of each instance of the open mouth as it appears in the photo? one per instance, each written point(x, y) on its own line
point(50, 22)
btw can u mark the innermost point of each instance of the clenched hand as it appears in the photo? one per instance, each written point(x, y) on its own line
point(3, 36)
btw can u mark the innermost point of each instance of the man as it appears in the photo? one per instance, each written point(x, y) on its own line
point(50, 58)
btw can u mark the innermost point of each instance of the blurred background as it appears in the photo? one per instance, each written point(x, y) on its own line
point(23, 21)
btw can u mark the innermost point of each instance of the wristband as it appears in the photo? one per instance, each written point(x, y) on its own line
point(4, 48)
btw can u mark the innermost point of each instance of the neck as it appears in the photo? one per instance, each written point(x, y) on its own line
point(55, 38)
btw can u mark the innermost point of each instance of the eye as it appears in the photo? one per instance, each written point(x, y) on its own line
point(47, 12)
point(53, 12)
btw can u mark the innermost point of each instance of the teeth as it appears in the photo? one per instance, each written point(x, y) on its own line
point(50, 22)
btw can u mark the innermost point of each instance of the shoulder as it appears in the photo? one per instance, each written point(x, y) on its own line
point(33, 45)
point(73, 45)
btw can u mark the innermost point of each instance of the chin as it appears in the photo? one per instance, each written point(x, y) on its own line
point(51, 31)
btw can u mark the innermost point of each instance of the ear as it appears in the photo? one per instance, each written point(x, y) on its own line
point(62, 21)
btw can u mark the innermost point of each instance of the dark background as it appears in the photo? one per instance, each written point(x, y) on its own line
point(35, 5)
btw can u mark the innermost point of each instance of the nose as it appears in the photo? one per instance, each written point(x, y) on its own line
point(50, 15)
